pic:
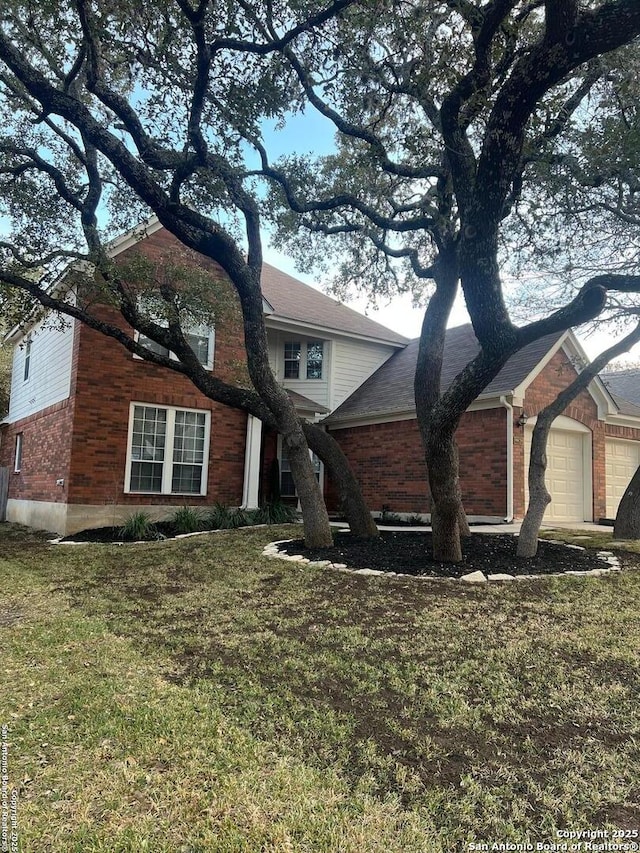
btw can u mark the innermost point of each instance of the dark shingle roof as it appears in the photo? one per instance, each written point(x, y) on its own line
point(293, 300)
point(306, 404)
point(624, 387)
point(390, 388)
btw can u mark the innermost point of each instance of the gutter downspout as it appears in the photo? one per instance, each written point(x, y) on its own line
point(506, 405)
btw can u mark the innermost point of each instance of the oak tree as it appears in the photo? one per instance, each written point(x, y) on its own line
point(115, 112)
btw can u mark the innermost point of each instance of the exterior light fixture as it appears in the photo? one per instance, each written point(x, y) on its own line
point(522, 420)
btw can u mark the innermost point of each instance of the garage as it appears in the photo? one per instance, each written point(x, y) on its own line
point(621, 461)
point(568, 478)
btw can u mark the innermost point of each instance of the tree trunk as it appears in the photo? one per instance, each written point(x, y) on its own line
point(539, 497)
point(448, 520)
point(327, 448)
point(446, 511)
point(627, 524)
point(317, 530)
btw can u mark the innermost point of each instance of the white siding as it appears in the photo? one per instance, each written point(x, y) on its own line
point(347, 363)
point(353, 362)
point(315, 389)
point(49, 379)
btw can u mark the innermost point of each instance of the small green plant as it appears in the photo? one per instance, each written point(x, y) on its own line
point(275, 512)
point(187, 519)
point(219, 517)
point(240, 518)
point(139, 526)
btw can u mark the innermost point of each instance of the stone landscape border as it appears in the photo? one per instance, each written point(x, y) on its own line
point(612, 564)
point(60, 540)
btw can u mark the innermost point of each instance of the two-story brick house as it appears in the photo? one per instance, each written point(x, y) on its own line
point(94, 433)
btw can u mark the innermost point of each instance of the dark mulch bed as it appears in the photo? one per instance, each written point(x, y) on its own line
point(164, 529)
point(410, 553)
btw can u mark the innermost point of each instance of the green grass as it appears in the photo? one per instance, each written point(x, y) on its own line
point(598, 539)
point(196, 696)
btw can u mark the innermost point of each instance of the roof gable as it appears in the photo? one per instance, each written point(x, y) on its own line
point(285, 298)
point(390, 389)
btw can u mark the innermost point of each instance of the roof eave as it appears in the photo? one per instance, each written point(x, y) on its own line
point(276, 320)
point(483, 401)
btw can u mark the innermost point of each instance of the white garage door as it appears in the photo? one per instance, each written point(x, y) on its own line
point(565, 474)
point(621, 458)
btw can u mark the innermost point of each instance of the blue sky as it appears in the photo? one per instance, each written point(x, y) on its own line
point(311, 133)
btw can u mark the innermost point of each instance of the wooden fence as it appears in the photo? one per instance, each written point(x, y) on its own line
point(4, 492)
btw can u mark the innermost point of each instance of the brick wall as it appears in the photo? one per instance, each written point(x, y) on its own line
point(46, 447)
point(388, 460)
point(46, 451)
point(109, 378)
point(618, 431)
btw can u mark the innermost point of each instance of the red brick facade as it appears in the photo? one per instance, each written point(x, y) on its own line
point(83, 440)
point(46, 454)
point(75, 452)
point(388, 457)
point(556, 376)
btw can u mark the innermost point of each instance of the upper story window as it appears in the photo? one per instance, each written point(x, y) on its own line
point(292, 350)
point(200, 339)
point(308, 353)
point(27, 359)
point(315, 353)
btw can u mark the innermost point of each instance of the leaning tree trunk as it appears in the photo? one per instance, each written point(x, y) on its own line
point(327, 448)
point(628, 520)
point(317, 530)
point(627, 524)
point(539, 497)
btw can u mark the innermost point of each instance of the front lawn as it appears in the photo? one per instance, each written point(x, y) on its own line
point(196, 696)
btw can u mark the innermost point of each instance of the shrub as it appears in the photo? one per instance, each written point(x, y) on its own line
point(139, 527)
point(240, 518)
point(223, 517)
point(187, 519)
point(275, 512)
point(219, 518)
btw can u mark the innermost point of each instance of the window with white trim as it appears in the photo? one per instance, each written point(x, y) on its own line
point(315, 355)
point(200, 338)
point(167, 450)
point(308, 353)
point(292, 351)
point(17, 459)
point(27, 359)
